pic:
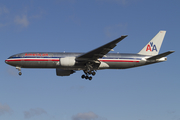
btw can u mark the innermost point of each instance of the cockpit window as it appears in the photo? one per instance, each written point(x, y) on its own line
point(13, 56)
point(10, 57)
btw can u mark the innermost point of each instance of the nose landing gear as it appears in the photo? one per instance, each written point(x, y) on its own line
point(19, 69)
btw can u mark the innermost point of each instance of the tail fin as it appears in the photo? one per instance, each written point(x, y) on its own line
point(153, 47)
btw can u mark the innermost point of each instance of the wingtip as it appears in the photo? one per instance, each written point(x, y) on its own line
point(124, 35)
point(171, 51)
point(162, 31)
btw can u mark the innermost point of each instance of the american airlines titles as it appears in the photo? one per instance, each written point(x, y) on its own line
point(36, 54)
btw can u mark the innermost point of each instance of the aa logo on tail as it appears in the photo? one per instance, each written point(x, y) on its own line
point(151, 47)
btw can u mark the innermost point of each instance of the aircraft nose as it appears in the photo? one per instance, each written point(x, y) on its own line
point(6, 61)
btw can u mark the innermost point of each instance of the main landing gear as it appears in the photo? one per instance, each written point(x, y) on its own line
point(19, 69)
point(88, 71)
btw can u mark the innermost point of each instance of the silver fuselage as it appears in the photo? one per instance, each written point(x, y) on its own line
point(52, 60)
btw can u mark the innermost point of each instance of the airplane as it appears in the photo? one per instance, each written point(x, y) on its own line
point(97, 59)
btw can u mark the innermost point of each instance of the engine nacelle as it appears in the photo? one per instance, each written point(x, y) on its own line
point(60, 72)
point(67, 61)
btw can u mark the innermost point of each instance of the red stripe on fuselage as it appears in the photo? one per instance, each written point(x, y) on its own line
point(49, 59)
point(11, 60)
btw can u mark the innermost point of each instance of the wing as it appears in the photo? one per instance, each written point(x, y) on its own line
point(100, 51)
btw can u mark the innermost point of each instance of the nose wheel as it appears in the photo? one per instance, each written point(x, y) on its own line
point(20, 73)
point(19, 69)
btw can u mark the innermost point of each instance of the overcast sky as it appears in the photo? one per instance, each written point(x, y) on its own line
point(145, 93)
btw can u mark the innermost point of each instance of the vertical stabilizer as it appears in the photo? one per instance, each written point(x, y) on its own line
point(153, 47)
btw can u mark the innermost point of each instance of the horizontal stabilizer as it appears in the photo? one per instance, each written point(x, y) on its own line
point(160, 55)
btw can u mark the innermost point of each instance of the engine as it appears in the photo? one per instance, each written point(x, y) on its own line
point(60, 72)
point(67, 61)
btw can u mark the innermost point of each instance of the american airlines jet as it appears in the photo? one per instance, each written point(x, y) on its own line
point(97, 59)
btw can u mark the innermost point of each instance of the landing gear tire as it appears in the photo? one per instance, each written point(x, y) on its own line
point(89, 72)
point(93, 73)
point(83, 76)
point(86, 77)
point(20, 73)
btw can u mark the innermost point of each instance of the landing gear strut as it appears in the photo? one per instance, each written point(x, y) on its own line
point(19, 69)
